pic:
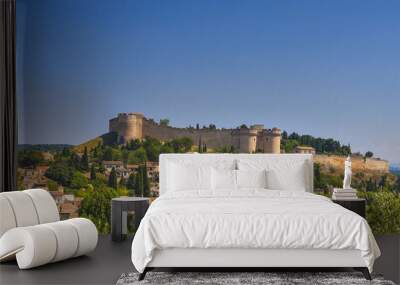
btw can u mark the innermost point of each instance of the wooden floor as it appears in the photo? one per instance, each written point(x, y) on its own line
point(110, 260)
point(103, 266)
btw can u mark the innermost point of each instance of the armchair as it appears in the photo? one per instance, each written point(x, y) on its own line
point(31, 231)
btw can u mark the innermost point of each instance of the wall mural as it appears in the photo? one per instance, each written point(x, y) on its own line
point(77, 74)
point(124, 162)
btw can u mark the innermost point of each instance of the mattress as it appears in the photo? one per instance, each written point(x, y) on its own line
point(250, 219)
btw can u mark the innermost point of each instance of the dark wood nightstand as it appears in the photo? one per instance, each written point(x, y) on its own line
point(355, 205)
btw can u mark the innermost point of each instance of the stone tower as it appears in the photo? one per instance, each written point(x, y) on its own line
point(245, 140)
point(128, 126)
point(257, 139)
point(270, 140)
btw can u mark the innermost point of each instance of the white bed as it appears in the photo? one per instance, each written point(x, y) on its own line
point(201, 221)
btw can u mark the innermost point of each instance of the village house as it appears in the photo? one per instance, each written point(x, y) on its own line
point(109, 165)
point(304, 149)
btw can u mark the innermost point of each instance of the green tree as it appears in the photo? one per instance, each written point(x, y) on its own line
point(164, 122)
point(383, 182)
point(52, 185)
point(369, 154)
point(112, 179)
point(108, 154)
point(139, 185)
point(96, 206)
point(102, 169)
point(290, 145)
point(371, 185)
point(166, 148)
point(204, 148)
point(138, 156)
point(116, 153)
point(61, 172)
point(85, 160)
point(125, 157)
point(146, 181)
point(66, 152)
point(122, 182)
point(95, 154)
point(134, 144)
point(383, 207)
point(29, 158)
point(131, 183)
point(181, 145)
point(152, 147)
point(75, 160)
point(78, 180)
point(92, 172)
point(199, 148)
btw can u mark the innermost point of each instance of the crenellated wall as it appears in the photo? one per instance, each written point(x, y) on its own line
point(212, 138)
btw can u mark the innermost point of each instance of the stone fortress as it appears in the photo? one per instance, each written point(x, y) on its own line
point(131, 126)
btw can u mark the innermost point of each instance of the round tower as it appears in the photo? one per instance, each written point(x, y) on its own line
point(272, 141)
point(245, 140)
point(128, 126)
point(276, 141)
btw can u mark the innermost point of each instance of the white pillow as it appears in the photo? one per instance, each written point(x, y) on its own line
point(188, 177)
point(251, 178)
point(294, 180)
point(223, 179)
point(282, 174)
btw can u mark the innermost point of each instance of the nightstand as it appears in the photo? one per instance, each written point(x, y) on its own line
point(119, 214)
point(355, 205)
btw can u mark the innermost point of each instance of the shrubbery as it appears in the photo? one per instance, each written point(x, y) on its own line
point(96, 206)
point(383, 211)
point(381, 192)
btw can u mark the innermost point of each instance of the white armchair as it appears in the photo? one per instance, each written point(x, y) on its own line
point(31, 230)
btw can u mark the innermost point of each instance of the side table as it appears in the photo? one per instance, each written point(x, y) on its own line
point(119, 214)
point(356, 205)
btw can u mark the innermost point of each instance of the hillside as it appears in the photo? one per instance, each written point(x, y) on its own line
point(105, 139)
point(43, 147)
point(335, 163)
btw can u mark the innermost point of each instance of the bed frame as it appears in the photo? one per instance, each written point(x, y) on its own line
point(246, 259)
point(249, 259)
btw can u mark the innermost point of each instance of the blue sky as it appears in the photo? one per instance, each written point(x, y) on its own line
point(325, 68)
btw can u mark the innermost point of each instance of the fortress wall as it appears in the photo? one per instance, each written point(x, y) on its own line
point(212, 138)
point(358, 165)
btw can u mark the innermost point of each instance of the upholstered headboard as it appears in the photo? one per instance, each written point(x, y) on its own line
point(280, 162)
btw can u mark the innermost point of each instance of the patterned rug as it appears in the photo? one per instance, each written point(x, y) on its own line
point(228, 278)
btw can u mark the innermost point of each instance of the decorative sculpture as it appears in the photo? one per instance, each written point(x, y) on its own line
point(347, 173)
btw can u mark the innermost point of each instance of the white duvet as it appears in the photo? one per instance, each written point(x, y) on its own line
point(250, 219)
